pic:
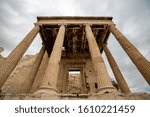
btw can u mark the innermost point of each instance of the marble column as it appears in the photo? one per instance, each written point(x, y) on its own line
point(39, 77)
point(103, 80)
point(137, 58)
point(11, 61)
point(117, 73)
point(49, 83)
point(30, 79)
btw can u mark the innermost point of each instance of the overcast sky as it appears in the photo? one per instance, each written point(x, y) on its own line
point(132, 18)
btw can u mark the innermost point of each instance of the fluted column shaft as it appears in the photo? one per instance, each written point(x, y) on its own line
point(104, 82)
point(137, 58)
point(30, 79)
point(11, 61)
point(51, 74)
point(39, 76)
point(117, 73)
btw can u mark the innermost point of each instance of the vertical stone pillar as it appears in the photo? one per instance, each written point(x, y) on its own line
point(117, 73)
point(137, 58)
point(49, 83)
point(30, 79)
point(39, 77)
point(104, 82)
point(83, 82)
point(92, 88)
point(10, 63)
point(65, 82)
point(60, 78)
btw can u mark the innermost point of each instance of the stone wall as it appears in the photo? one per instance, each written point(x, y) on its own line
point(19, 74)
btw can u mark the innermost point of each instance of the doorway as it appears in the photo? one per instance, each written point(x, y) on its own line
point(74, 82)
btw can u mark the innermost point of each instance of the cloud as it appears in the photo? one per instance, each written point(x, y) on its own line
point(131, 18)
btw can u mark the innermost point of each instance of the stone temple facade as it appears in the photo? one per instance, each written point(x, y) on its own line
point(70, 64)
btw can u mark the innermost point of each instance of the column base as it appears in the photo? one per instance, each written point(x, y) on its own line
point(106, 90)
point(46, 93)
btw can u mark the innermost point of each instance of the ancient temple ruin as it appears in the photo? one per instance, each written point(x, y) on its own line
point(70, 64)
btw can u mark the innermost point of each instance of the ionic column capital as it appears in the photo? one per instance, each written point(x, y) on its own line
point(62, 25)
point(111, 25)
